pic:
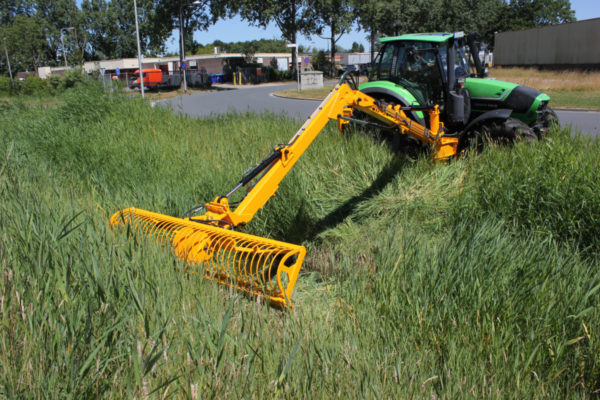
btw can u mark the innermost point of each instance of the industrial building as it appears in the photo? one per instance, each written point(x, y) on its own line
point(571, 45)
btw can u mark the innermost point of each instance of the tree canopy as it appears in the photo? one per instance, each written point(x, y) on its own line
point(45, 32)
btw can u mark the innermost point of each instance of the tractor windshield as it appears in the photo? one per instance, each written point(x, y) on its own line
point(412, 65)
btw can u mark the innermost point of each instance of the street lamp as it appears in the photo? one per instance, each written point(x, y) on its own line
point(63, 43)
point(182, 53)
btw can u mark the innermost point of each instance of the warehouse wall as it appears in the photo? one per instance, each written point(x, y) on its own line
point(576, 44)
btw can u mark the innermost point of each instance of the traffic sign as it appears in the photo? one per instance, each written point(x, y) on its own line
point(118, 71)
point(183, 65)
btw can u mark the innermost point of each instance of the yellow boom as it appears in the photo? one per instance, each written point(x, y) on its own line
point(256, 265)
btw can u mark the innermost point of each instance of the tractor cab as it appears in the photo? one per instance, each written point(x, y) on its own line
point(417, 64)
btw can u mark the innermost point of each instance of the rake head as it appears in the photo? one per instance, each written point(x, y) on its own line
point(255, 265)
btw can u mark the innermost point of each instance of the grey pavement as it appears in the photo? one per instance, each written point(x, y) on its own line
point(586, 122)
point(261, 99)
point(247, 98)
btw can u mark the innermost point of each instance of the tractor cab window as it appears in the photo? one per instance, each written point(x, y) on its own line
point(386, 63)
point(418, 72)
point(461, 66)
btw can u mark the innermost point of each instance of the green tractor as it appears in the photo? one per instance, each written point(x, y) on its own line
point(412, 70)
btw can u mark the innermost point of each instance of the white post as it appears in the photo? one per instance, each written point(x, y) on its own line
point(139, 49)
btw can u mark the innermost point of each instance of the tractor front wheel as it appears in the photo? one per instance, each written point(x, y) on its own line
point(548, 120)
point(502, 132)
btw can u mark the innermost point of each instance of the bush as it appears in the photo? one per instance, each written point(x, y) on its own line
point(32, 85)
point(6, 86)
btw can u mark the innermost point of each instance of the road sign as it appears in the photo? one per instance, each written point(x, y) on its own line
point(183, 65)
point(292, 45)
point(306, 60)
point(118, 71)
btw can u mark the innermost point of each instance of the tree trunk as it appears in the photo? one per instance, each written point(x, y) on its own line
point(293, 39)
point(332, 55)
point(372, 40)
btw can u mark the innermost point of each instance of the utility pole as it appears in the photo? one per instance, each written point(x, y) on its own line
point(12, 81)
point(182, 52)
point(137, 35)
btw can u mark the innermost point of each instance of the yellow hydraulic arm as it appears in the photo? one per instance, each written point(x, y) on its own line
point(338, 105)
point(256, 265)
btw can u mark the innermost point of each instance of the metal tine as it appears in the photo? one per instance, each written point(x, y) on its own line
point(238, 260)
point(228, 254)
point(217, 243)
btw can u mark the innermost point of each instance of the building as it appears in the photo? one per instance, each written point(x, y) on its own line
point(213, 64)
point(575, 44)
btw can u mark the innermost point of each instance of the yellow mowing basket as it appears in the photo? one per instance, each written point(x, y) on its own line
point(252, 264)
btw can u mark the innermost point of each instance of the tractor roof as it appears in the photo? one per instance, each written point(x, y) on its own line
point(423, 37)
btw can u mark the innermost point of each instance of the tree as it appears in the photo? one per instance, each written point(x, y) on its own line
point(291, 17)
point(337, 16)
point(524, 14)
point(357, 48)
point(110, 28)
point(194, 16)
point(25, 43)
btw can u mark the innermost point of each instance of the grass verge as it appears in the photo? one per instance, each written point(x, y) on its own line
point(477, 278)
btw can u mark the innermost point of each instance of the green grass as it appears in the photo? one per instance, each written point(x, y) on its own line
point(589, 100)
point(316, 94)
point(477, 278)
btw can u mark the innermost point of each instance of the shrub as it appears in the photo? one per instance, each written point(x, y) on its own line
point(6, 86)
point(32, 85)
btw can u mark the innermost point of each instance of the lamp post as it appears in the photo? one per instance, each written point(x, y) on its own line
point(137, 35)
point(63, 42)
point(182, 53)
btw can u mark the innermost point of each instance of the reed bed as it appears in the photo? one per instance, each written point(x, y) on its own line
point(473, 279)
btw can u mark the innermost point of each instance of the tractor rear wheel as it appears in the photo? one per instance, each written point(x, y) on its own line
point(397, 142)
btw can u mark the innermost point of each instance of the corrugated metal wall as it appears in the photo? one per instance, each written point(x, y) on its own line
point(576, 43)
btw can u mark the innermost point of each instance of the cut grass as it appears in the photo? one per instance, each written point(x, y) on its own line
point(477, 278)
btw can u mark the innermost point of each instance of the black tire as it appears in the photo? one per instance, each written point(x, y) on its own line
point(498, 132)
point(548, 120)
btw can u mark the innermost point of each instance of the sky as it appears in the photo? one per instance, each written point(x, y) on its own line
point(236, 30)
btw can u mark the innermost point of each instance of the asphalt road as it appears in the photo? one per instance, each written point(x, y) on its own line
point(260, 99)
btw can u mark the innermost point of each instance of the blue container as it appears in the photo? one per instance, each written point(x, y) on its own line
point(213, 78)
point(220, 78)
